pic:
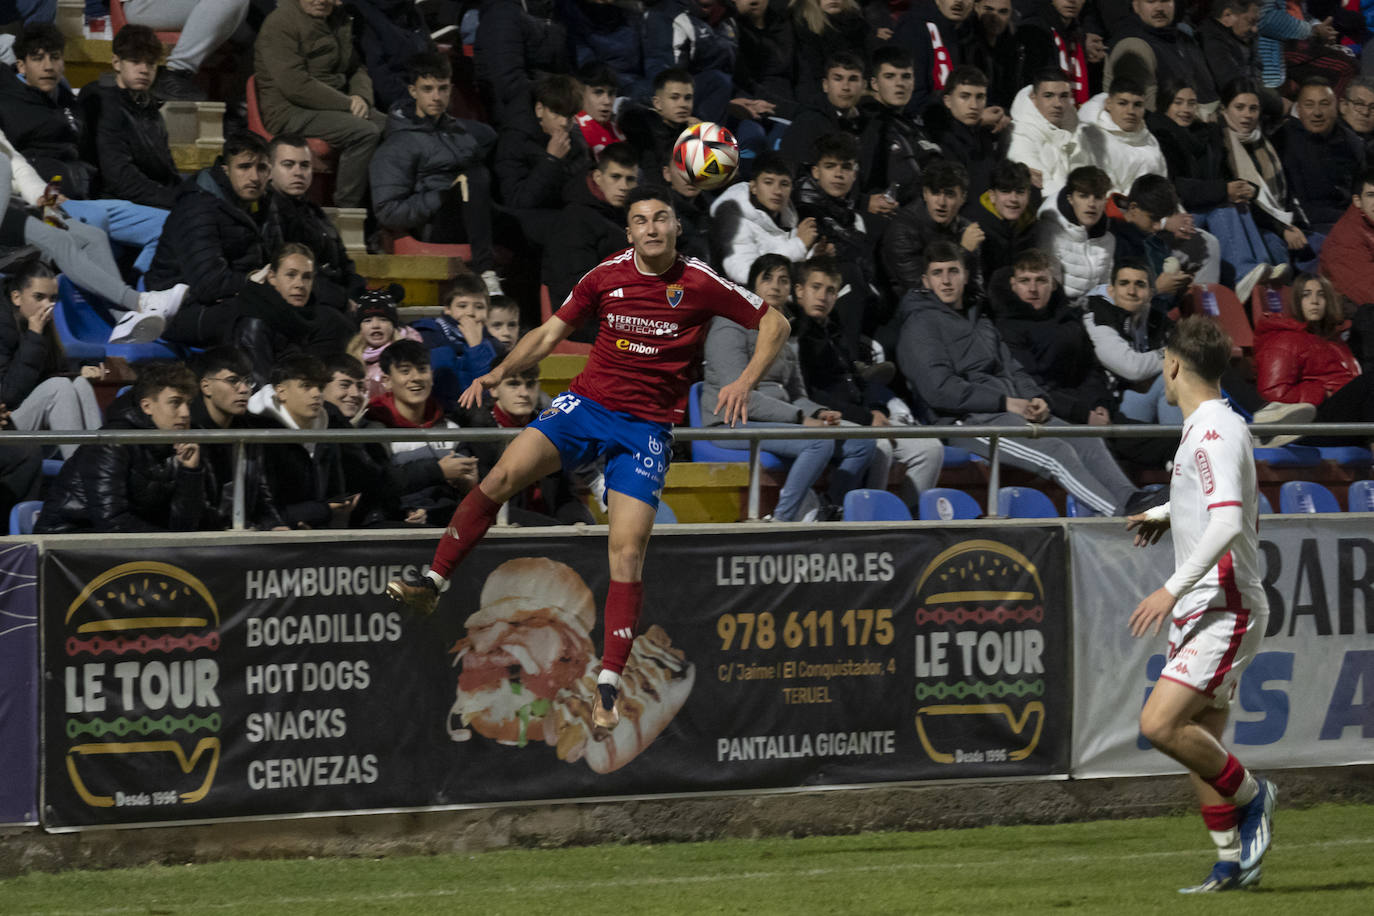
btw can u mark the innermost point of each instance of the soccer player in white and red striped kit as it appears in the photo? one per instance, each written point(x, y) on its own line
point(1214, 602)
point(653, 307)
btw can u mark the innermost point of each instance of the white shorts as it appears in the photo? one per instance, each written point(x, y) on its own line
point(1209, 650)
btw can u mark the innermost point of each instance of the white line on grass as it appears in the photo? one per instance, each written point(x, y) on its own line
point(642, 881)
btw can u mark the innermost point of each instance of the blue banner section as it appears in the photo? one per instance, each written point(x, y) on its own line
point(18, 684)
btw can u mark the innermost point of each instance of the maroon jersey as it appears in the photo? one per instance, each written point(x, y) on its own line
point(651, 330)
point(598, 135)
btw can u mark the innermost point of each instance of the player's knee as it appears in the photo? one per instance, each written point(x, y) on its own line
point(1156, 729)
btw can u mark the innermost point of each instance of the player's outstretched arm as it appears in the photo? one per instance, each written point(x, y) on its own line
point(528, 351)
point(1149, 527)
point(733, 401)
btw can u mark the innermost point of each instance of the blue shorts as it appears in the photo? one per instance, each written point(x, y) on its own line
point(637, 451)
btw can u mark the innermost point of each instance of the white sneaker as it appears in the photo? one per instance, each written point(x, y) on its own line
point(1247, 283)
point(1278, 412)
point(493, 283)
point(1279, 273)
point(163, 302)
point(137, 327)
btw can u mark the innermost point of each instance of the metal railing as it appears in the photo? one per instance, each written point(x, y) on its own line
point(755, 436)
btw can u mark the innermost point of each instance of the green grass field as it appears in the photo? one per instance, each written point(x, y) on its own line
point(1322, 862)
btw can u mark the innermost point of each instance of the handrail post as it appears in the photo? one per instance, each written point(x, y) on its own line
point(240, 472)
point(994, 476)
point(755, 466)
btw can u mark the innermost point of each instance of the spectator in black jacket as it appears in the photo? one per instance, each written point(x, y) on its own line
point(826, 29)
point(215, 239)
point(429, 176)
point(307, 479)
point(1006, 215)
point(226, 382)
point(964, 134)
point(894, 148)
point(653, 131)
point(125, 135)
point(1321, 157)
point(992, 49)
point(936, 53)
point(592, 225)
point(1055, 35)
point(518, 42)
point(842, 85)
point(536, 156)
point(936, 216)
point(137, 487)
point(766, 68)
point(1357, 111)
point(1151, 36)
point(292, 217)
point(1228, 41)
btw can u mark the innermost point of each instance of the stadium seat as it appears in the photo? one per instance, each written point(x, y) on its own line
point(117, 22)
point(1346, 455)
point(573, 347)
point(1258, 303)
point(23, 516)
point(323, 157)
point(664, 514)
point(1298, 497)
point(1265, 507)
point(942, 504)
point(52, 466)
point(1290, 456)
point(865, 505)
point(1074, 508)
point(1360, 496)
point(1231, 317)
point(1024, 502)
point(709, 451)
point(409, 244)
point(78, 316)
point(959, 457)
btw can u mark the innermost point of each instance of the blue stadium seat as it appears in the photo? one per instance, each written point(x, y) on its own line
point(1290, 456)
point(1346, 455)
point(664, 514)
point(52, 466)
point(89, 330)
point(710, 451)
point(1299, 497)
point(1023, 502)
point(1265, 507)
point(959, 457)
point(864, 505)
point(23, 516)
point(1360, 496)
point(945, 503)
point(1076, 509)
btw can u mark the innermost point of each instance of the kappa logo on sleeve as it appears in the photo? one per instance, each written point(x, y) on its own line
point(1204, 471)
point(1212, 436)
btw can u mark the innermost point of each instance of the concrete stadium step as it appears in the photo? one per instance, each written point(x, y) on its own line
point(701, 492)
point(422, 276)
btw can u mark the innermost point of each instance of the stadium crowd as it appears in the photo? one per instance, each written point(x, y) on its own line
point(982, 213)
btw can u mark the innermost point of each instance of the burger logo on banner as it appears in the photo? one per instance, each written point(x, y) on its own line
point(140, 683)
point(979, 655)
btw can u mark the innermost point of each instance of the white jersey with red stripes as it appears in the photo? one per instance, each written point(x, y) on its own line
point(1213, 468)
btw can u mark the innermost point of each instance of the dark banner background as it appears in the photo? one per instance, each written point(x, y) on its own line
point(18, 684)
point(171, 692)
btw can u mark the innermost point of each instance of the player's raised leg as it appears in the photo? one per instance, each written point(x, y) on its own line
point(1222, 820)
point(528, 458)
point(631, 523)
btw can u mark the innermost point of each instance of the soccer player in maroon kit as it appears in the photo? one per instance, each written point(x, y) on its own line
point(653, 307)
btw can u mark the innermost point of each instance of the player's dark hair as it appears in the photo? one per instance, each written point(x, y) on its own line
point(767, 263)
point(941, 252)
point(465, 284)
point(894, 56)
point(644, 192)
point(1155, 195)
point(243, 141)
point(301, 367)
point(158, 374)
point(1010, 176)
point(840, 146)
point(944, 175)
point(622, 154)
point(1127, 85)
point(1139, 264)
point(37, 38)
point(560, 94)
point(222, 359)
point(1049, 75)
point(1035, 261)
point(671, 75)
point(965, 75)
point(1201, 344)
point(344, 364)
point(1090, 180)
point(772, 164)
point(403, 353)
point(137, 43)
point(428, 65)
point(843, 60)
point(596, 75)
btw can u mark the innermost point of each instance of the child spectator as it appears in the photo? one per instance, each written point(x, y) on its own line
point(757, 218)
point(1073, 230)
point(596, 120)
point(378, 327)
point(503, 321)
point(1005, 214)
point(462, 332)
point(33, 365)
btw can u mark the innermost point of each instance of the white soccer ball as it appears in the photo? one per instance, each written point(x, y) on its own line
point(707, 155)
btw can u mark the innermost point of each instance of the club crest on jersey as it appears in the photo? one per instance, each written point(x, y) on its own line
point(549, 412)
point(674, 295)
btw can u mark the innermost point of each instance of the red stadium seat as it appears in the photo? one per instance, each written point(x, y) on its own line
point(1258, 303)
point(324, 158)
point(408, 244)
point(1232, 315)
point(117, 22)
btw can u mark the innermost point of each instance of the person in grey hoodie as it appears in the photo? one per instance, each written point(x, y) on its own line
point(957, 365)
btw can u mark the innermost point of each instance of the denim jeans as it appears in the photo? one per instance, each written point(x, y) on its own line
point(809, 459)
point(128, 224)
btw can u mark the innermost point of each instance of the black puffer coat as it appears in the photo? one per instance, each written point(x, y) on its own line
point(417, 162)
point(296, 219)
point(128, 140)
point(47, 130)
point(129, 488)
point(210, 240)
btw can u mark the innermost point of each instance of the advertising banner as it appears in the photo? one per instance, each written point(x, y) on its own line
point(1308, 697)
point(18, 684)
point(256, 680)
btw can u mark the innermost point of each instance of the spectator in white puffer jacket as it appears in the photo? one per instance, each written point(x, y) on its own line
point(1074, 229)
point(1112, 136)
point(1043, 125)
point(758, 218)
